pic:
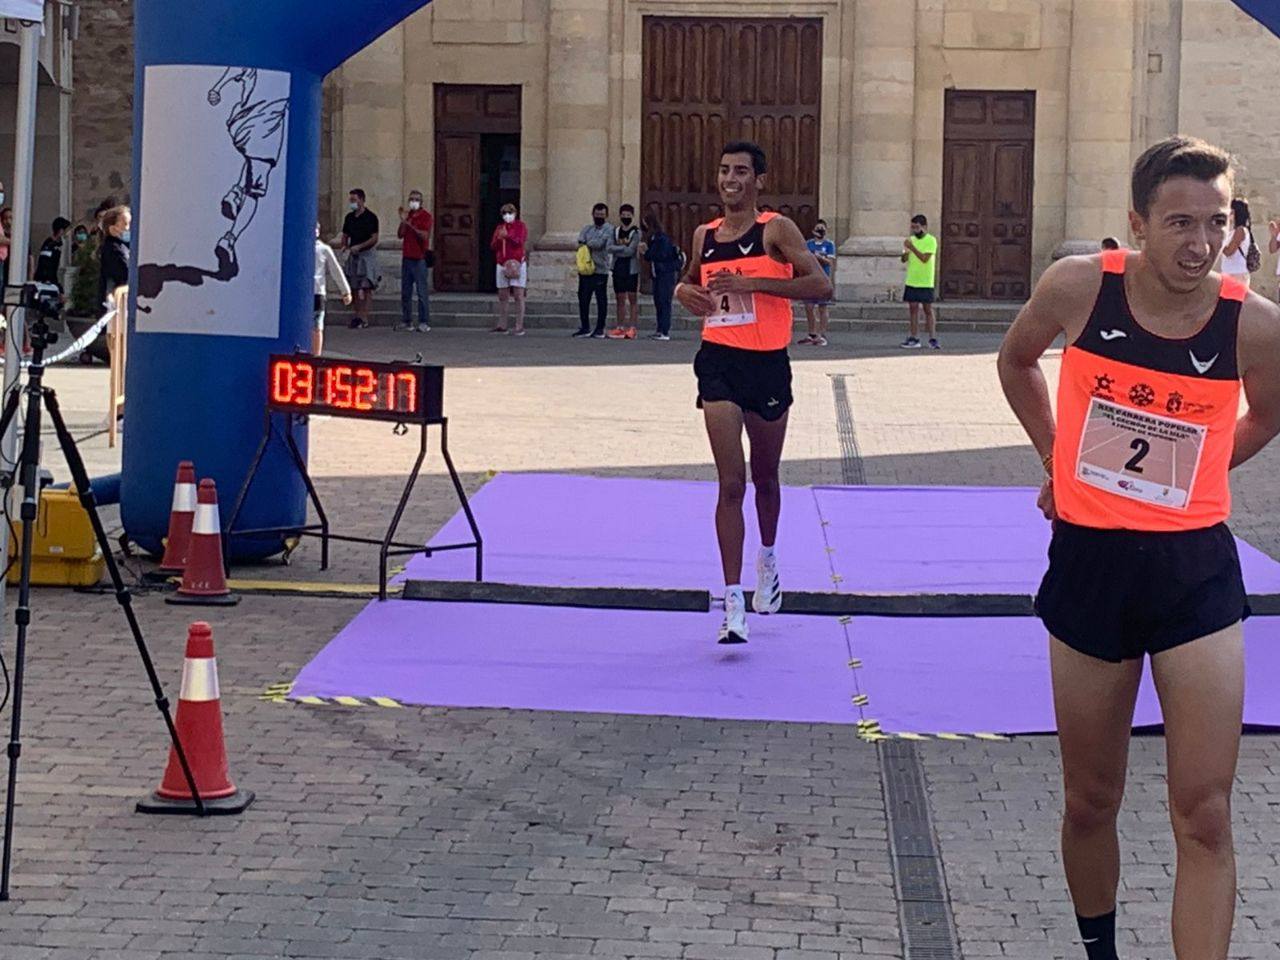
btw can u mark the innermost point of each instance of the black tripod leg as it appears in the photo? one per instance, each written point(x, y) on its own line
point(29, 468)
point(395, 518)
point(462, 498)
point(301, 464)
point(240, 497)
point(80, 477)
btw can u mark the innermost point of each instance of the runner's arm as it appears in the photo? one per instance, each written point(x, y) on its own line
point(690, 292)
point(1066, 290)
point(808, 280)
point(1259, 344)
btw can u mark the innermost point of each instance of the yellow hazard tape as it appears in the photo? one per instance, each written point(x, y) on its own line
point(874, 733)
point(855, 663)
point(860, 700)
point(279, 693)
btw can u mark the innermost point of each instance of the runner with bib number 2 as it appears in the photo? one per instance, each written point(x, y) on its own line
point(1141, 562)
point(745, 270)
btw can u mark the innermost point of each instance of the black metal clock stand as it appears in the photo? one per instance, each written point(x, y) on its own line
point(27, 472)
point(389, 546)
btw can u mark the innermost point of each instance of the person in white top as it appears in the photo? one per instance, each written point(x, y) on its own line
point(1235, 255)
point(326, 264)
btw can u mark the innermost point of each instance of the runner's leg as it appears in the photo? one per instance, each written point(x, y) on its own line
point(724, 429)
point(1201, 687)
point(1093, 701)
point(767, 438)
point(930, 323)
point(915, 318)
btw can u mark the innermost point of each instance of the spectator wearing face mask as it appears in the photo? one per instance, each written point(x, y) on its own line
point(593, 272)
point(626, 272)
point(509, 251)
point(359, 239)
point(415, 232)
point(114, 252)
point(824, 251)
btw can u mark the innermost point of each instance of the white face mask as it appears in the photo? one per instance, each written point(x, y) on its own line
point(353, 206)
point(1, 196)
point(509, 217)
point(415, 204)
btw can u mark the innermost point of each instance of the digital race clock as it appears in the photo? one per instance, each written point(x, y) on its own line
point(400, 392)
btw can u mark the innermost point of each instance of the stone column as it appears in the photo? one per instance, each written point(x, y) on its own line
point(1099, 123)
point(884, 67)
point(373, 123)
point(577, 116)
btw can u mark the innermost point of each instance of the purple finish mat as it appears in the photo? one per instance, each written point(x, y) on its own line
point(979, 675)
point(955, 540)
point(599, 661)
point(553, 529)
point(559, 530)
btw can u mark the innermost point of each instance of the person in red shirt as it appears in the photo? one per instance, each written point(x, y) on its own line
point(508, 243)
point(415, 231)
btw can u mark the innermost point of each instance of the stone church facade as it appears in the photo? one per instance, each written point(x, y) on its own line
point(1012, 124)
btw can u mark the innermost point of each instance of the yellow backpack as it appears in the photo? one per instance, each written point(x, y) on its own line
point(586, 265)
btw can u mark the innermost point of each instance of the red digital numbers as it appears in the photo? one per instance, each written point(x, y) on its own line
point(342, 387)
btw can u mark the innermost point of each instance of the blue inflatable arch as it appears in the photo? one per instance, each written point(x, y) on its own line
point(227, 102)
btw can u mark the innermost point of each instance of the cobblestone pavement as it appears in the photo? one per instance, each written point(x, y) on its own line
point(510, 835)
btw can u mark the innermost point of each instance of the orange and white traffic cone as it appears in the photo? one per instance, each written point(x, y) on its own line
point(181, 516)
point(199, 725)
point(204, 583)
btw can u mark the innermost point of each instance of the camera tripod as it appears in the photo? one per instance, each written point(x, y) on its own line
point(27, 472)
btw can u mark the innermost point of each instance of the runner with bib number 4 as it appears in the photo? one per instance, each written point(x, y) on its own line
point(745, 270)
point(1141, 562)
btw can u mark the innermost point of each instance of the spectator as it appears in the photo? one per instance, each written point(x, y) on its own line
point(595, 238)
point(79, 237)
point(824, 251)
point(415, 231)
point(114, 252)
point(626, 271)
point(49, 260)
point(1110, 243)
point(666, 260)
point(512, 259)
point(326, 266)
point(920, 254)
point(1237, 253)
point(360, 240)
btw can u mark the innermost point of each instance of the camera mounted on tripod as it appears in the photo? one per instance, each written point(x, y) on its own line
point(44, 303)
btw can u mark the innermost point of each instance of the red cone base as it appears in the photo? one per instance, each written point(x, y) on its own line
point(199, 726)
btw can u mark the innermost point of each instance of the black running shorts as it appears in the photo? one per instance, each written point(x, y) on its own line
point(624, 281)
point(1119, 594)
point(758, 381)
point(917, 295)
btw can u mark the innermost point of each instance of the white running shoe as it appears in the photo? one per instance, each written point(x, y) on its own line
point(734, 628)
point(768, 594)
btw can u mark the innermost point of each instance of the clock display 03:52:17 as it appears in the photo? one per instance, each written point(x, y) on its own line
point(344, 388)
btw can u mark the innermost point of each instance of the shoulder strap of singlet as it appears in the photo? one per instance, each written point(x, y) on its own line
point(714, 224)
point(1113, 261)
point(767, 215)
point(1232, 289)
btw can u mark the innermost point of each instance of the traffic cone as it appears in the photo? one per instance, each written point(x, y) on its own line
point(199, 726)
point(203, 581)
point(181, 516)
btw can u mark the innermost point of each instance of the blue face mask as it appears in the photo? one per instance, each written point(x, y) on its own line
point(127, 236)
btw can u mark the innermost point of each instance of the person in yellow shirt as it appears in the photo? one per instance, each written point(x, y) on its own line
point(920, 254)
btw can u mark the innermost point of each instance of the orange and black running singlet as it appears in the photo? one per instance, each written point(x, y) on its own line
point(1146, 424)
point(747, 321)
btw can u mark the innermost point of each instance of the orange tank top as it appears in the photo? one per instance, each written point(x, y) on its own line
point(1146, 424)
point(754, 321)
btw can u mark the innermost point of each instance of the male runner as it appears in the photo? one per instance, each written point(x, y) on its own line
point(745, 269)
point(1141, 562)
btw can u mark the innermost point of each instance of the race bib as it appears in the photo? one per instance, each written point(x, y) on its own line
point(1139, 455)
point(733, 310)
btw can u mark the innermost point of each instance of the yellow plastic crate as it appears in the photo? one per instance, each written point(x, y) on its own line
point(65, 553)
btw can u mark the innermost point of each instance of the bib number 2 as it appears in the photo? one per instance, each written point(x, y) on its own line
point(1139, 455)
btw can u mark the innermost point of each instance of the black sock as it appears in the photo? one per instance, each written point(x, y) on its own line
point(1099, 936)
